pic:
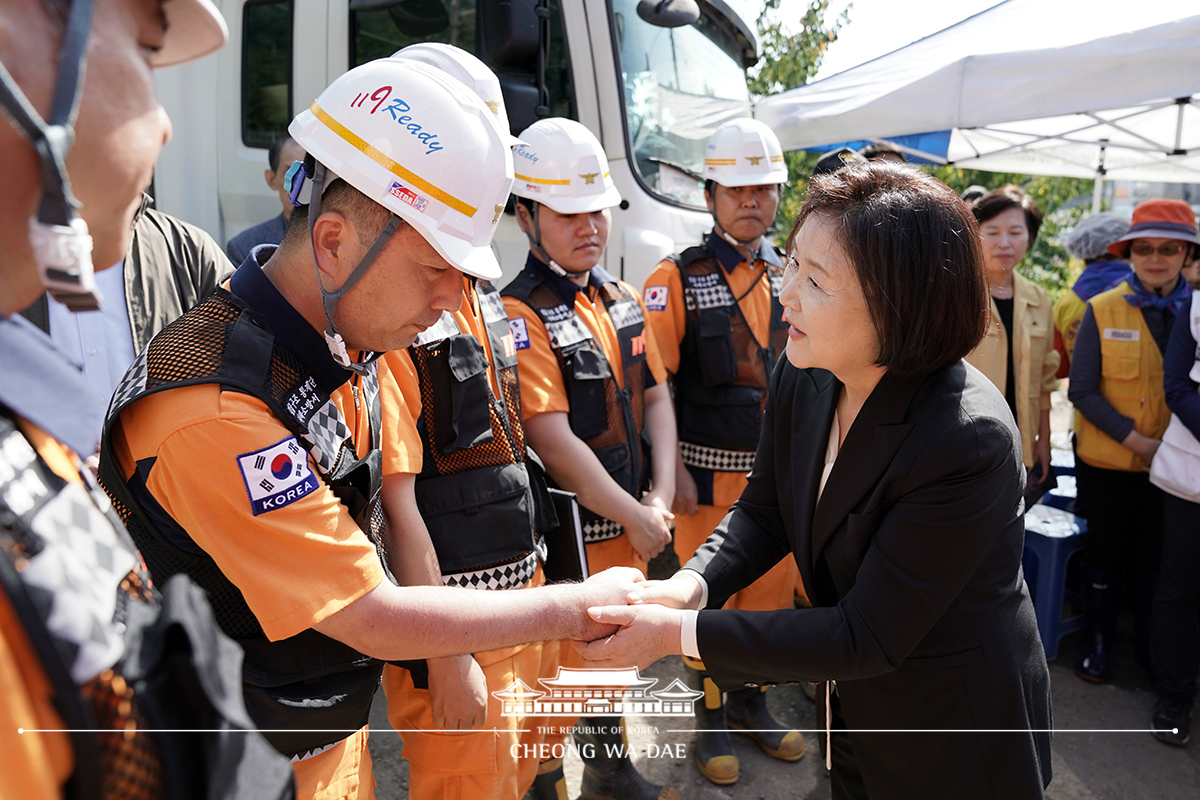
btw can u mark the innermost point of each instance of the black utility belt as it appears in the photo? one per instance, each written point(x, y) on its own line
point(715, 459)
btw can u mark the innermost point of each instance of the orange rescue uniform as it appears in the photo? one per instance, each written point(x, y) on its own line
point(461, 764)
point(296, 565)
point(36, 765)
point(667, 319)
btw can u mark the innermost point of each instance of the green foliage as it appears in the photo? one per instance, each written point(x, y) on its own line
point(1064, 201)
point(789, 60)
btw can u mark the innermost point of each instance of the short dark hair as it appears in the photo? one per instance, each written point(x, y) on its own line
point(878, 148)
point(276, 150)
point(368, 217)
point(997, 201)
point(916, 252)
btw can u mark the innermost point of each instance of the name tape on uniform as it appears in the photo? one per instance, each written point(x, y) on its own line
point(520, 334)
point(277, 476)
point(655, 298)
point(1122, 334)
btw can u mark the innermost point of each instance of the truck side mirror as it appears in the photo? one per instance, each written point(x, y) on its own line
point(669, 13)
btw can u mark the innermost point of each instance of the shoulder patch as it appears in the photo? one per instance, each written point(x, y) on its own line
point(277, 476)
point(520, 336)
point(655, 298)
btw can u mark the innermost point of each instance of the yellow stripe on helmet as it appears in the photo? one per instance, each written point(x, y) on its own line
point(528, 179)
point(390, 165)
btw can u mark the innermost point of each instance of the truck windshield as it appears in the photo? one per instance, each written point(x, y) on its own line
point(681, 84)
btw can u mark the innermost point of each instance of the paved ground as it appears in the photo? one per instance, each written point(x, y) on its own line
point(1087, 766)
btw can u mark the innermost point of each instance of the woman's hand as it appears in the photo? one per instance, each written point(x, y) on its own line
point(648, 632)
point(457, 693)
point(1142, 446)
point(1041, 457)
point(681, 590)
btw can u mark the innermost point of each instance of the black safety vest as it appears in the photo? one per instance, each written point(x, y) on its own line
point(721, 384)
point(474, 491)
point(310, 685)
point(608, 418)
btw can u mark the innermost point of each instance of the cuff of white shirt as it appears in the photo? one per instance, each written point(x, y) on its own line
point(691, 573)
point(687, 634)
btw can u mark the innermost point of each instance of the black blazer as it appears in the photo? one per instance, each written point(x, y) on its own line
point(912, 560)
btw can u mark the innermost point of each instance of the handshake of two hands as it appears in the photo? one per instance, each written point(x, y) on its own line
point(631, 621)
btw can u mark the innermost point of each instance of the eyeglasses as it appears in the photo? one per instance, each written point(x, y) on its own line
point(1167, 250)
point(790, 265)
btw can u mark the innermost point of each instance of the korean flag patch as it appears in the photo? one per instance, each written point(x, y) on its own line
point(655, 298)
point(277, 475)
point(519, 334)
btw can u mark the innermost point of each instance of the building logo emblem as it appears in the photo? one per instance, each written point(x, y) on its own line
point(597, 693)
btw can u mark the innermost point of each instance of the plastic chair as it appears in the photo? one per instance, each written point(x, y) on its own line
point(1052, 537)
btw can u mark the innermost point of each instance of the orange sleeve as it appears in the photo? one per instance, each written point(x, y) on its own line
point(297, 561)
point(653, 356)
point(666, 314)
point(36, 765)
point(542, 387)
point(400, 399)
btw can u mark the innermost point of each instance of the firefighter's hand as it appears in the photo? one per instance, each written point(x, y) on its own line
point(457, 693)
point(650, 531)
point(686, 497)
point(610, 587)
point(647, 633)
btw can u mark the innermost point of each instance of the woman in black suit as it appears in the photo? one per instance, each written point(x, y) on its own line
point(892, 472)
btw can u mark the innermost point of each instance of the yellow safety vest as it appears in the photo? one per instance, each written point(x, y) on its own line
point(1131, 379)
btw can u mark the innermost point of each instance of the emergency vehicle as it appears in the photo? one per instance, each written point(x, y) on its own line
point(652, 94)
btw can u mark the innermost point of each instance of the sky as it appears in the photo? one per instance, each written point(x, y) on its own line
point(877, 27)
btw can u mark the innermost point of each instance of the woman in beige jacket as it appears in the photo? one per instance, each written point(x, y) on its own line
point(1017, 354)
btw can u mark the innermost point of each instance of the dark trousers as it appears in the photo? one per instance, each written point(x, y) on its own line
point(1124, 516)
point(845, 780)
point(1175, 634)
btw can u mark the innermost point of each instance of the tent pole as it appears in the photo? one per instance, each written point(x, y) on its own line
point(1098, 183)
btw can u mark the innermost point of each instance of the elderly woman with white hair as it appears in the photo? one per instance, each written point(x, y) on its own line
point(1088, 241)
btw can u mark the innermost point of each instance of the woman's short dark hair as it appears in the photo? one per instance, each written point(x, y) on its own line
point(997, 201)
point(916, 252)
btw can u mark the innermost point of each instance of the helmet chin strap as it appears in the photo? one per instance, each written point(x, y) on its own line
point(535, 244)
point(330, 300)
point(729, 237)
point(61, 245)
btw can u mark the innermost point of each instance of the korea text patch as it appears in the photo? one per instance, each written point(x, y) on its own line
point(655, 298)
point(520, 334)
point(277, 476)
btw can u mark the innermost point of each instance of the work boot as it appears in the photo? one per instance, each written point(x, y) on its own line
point(550, 783)
point(746, 710)
point(714, 749)
point(1171, 721)
point(608, 772)
point(1099, 621)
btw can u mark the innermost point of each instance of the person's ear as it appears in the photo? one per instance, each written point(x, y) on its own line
point(331, 238)
point(708, 200)
point(269, 177)
point(524, 219)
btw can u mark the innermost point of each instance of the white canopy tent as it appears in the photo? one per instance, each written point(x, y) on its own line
point(1103, 88)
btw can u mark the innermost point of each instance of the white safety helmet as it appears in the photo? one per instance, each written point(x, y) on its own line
point(744, 152)
point(470, 72)
point(417, 142)
point(420, 144)
point(561, 165)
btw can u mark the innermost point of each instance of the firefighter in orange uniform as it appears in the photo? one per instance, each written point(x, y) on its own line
point(594, 392)
point(461, 513)
point(715, 312)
